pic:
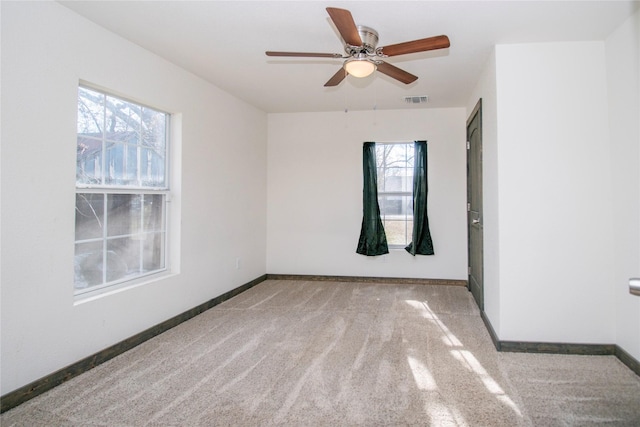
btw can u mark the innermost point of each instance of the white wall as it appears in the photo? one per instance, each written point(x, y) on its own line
point(552, 97)
point(623, 78)
point(556, 245)
point(485, 89)
point(315, 192)
point(46, 50)
point(576, 242)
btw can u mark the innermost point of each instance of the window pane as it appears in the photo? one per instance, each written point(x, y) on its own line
point(123, 258)
point(131, 166)
point(397, 205)
point(88, 264)
point(115, 158)
point(394, 179)
point(154, 127)
point(408, 180)
point(153, 212)
point(89, 141)
point(152, 159)
point(152, 165)
point(396, 231)
point(408, 202)
point(396, 153)
point(89, 216)
point(395, 167)
point(397, 217)
point(90, 113)
point(124, 214)
point(120, 129)
point(123, 120)
point(398, 178)
point(410, 156)
point(89, 161)
point(153, 252)
point(122, 164)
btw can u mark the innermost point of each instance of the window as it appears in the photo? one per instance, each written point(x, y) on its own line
point(394, 165)
point(122, 190)
point(394, 199)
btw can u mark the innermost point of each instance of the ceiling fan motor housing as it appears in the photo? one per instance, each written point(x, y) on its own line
point(369, 38)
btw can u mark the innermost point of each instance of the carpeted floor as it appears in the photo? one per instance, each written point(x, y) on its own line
point(339, 354)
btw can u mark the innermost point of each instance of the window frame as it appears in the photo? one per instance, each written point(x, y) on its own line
point(106, 189)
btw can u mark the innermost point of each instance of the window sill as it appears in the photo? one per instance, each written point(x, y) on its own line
point(121, 287)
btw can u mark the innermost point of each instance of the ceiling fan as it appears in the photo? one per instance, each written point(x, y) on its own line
point(363, 57)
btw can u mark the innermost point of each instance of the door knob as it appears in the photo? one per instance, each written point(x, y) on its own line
point(475, 221)
point(634, 286)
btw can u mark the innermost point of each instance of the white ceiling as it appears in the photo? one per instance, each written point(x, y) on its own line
point(224, 42)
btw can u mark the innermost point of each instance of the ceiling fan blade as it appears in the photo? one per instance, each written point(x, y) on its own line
point(337, 78)
point(422, 45)
point(396, 73)
point(346, 26)
point(304, 54)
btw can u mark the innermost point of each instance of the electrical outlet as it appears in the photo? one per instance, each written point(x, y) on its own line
point(238, 259)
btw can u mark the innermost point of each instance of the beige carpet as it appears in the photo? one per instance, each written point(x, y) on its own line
point(339, 354)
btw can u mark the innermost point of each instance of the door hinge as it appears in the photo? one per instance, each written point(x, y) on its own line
point(468, 207)
point(468, 145)
point(469, 270)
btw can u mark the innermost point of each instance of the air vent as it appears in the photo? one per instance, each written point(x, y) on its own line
point(416, 99)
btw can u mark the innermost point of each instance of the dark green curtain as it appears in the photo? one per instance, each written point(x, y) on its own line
point(421, 243)
point(373, 240)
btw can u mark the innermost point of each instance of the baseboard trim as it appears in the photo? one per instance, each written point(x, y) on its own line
point(631, 362)
point(558, 348)
point(492, 332)
point(561, 348)
point(29, 391)
point(361, 279)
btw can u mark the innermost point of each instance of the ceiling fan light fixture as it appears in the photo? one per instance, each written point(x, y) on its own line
point(359, 67)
